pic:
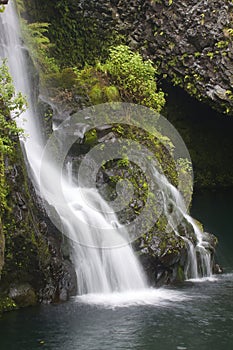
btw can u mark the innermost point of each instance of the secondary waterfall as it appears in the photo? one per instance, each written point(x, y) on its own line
point(172, 197)
point(98, 270)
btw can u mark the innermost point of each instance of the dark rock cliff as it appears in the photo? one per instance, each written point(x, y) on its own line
point(190, 41)
point(35, 267)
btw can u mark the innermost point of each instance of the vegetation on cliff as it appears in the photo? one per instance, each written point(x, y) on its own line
point(77, 38)
point(124, 76)
point(32, 267)
point(14, 105)
point(193, 48)
point(191, 52)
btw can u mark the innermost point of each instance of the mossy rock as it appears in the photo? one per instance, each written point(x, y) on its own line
point(6, 304)
point(23, 295)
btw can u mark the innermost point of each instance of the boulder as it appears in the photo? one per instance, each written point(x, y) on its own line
point(23, 295)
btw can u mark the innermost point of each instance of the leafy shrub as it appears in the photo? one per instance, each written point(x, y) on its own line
point(35, 36)
point(134, 77)
point(10, 104)
point(125, 76)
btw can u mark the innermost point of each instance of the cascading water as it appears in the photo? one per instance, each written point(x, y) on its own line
point(173, 198)
point(98, 270)
point(11, 47)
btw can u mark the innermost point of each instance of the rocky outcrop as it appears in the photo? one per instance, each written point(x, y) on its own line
point(165, 256)
point(35, 267)
point(23, 295)
point(190, 41)
point(164, 253)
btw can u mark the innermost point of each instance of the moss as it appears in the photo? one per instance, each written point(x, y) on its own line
point(180, 274)
point(112, 93)
point(23, 295)
point(23, 250)
point(90, 137)
point(10, 103)
point(77, 36)
point(2, 246)
point(21, 243)
point(64, 79)
point(96, 94)
point(6, 304)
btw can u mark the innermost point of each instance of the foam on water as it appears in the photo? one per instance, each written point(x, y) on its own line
point(203, 279)
point(153, 297)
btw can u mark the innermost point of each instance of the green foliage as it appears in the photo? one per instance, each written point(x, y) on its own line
point(78, 37)
point(125, 76)
point(112, 93)
point(6, 304)
point(124, 162)
point(92, 84)
point(91, 137)
point(35, 35)
point(11, 106)
point(20, 6)
point(223, 44)
point(230, 32)
point(134, 77)
point(64, 79)
point(154, 143)
point(9, 102)
point(95, 86)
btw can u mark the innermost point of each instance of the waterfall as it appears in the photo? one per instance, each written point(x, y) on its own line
point(98, 270)
point(173, 200)
point(12, 48)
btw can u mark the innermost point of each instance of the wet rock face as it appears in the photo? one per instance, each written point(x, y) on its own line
point(35, 267)
point(190, 40)
point(23, 295)
point(164, 254)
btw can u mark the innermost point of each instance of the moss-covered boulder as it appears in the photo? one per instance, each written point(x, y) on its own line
point(23, 295)
point(164, 248)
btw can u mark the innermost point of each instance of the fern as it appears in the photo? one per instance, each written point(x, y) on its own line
point(39, 45)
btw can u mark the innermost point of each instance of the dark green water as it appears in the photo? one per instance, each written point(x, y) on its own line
point(215, 211)
point(191, 316)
